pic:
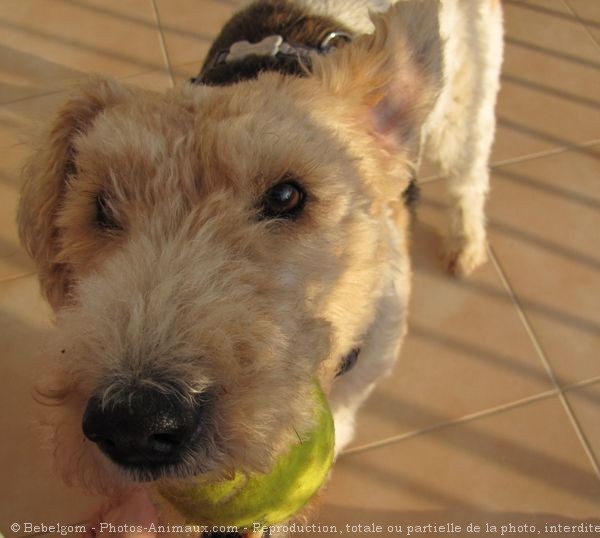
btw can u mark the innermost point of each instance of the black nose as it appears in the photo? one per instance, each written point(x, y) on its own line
point(146, 428)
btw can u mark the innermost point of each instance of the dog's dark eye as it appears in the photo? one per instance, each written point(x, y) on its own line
point(283, 201)
point(105, 218)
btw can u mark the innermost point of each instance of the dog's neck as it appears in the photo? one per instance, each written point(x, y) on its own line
point(269, 35)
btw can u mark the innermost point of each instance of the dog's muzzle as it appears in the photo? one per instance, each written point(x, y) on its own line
point(146, 429)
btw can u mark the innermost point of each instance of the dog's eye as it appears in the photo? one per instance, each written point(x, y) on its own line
point(105, 217)
point(283, 201)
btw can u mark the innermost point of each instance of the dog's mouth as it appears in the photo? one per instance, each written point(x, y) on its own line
point(152, 472)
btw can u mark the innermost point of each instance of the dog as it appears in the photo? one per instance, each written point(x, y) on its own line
point(210, 251)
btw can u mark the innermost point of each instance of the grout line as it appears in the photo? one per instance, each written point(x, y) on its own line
point(465, 418)
point(473, 416)
point(430, 179)
point(585, 26)
point(549, 370)
point(524, 158)
point(581, 384)
point(69, 84)
point(544, 153)
point(4, 280)
point(163, 44)
point(579, 432)
point(43, 94)
point(523, 318)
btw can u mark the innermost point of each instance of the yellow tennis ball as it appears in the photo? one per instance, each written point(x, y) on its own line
point(257, 498)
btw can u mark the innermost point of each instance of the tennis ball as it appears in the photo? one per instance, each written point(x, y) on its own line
point(257, 498)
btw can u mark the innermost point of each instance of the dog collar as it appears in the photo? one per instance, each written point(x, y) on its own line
point(272, 49)
point(275, 45)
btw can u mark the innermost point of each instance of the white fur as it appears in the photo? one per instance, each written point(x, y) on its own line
point(380, 347)
point(459, 132)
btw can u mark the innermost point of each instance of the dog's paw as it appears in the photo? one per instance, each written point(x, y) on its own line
point(461, 259)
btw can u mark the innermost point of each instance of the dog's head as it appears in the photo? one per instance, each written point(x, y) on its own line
point(212, 251)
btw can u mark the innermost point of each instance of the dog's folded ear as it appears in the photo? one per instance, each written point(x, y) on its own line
point(396, 71)
point(46, 178)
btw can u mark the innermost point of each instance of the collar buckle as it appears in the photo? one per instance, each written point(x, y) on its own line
point(272, 46)
point(326, 44)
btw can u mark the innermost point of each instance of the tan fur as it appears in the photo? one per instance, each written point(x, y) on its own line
point(194, 289)
point(184, 171)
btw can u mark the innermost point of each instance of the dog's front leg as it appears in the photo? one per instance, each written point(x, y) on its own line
point(464, 149)
point(460, 130)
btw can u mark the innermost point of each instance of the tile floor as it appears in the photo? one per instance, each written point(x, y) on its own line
point(493, 411)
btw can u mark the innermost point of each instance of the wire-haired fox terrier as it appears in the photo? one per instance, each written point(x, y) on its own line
point(211, 250)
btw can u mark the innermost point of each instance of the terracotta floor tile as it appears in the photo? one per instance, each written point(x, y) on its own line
point(544, 222)
point(466, 351)
point(20, 120)
point(35, 493)
point(188, 26)
point(524, 465)
point(47, 47)
point(551, 7)
point(589, 14)
point(585, 402)
point(551, 73)
point(153, 80)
